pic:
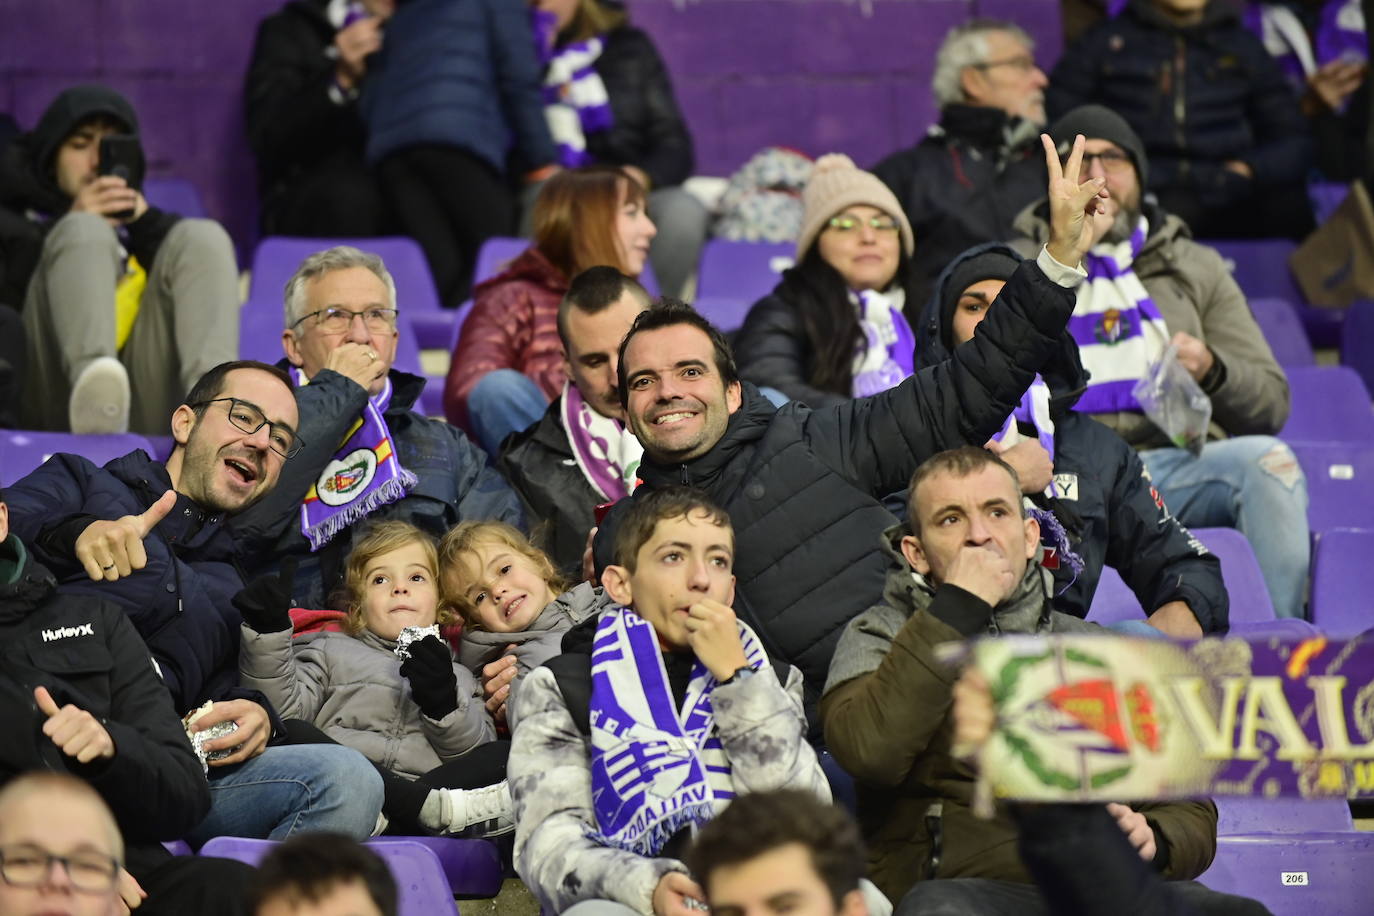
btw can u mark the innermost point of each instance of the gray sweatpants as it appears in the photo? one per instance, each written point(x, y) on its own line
point(188, 320)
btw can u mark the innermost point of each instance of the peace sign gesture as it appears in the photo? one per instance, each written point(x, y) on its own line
point(1072, 205)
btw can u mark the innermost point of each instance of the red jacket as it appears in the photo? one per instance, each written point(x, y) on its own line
point(513, 325)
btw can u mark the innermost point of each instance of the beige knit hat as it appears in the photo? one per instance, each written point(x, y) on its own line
point(836, 182)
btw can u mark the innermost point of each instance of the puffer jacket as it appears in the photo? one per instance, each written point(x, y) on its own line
point(458, 73)
point(1196, 95)
point(773, 350)
point(886, 714)
point(1115, 517)
point(513, 325)
point(1196, 294)
point(352, 689)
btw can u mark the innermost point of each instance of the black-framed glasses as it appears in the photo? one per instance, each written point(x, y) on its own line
point(29, 866)
point(248, 418)
point(1113, 160)
point(335, 320)
point(1022, 63)
point(850, 223)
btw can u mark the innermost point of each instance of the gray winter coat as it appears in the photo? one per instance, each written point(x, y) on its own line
point(544, 638)
point(352, 689)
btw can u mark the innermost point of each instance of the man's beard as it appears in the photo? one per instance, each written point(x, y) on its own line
point(1122, 227)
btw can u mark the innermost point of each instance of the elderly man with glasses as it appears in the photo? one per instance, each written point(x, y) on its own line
point(369, 455)
point(153, 540)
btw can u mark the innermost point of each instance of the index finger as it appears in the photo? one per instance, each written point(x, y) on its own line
point(1052, 164)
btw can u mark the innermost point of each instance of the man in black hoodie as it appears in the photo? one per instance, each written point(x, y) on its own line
point(125, 306)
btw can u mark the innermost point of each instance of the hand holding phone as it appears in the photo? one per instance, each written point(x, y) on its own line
point(121, 156)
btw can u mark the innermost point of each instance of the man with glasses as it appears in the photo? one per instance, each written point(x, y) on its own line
point(966, 181)
point(1150, 285)
point(367, 453)
point(153, 538)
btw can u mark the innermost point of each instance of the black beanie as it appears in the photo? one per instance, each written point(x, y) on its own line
point(989, 265)
point(1097, 123)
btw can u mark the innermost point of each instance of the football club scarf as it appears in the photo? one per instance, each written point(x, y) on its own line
point(1118, 327)
point(575, 100)
point(363, 475)
point(888, 352)
point(607, 454)
point(655, 769)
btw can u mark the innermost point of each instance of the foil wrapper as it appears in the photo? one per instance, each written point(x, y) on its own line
point(199, 739)
point(410, 635)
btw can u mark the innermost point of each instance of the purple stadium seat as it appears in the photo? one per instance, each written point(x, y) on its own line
point(1261, 268)
point(240, 849)
point(1341, 602)
point(1340, 484)
point(1239, 815)
point(22, 451)
point(1357, 343)
point(498, 252)
point(175, 195)
point(472, 867)
point(179, 848)
point(739, 272)
point(1283, 331)
point(277, 257)
point(1330, 404)
point(1325, 872)
point(1326, 196)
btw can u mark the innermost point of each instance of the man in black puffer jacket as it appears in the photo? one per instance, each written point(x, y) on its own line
point(1228, 147)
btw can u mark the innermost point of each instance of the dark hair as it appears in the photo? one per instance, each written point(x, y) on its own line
point(759, 822)
point(210, 385)
point(960, 462)
point(593, 291)
point(649, 508)
point(818, 294)
point(309, 867)
point(665, 312)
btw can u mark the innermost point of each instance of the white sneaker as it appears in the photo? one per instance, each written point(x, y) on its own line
point(100, 398)
point(484, 812)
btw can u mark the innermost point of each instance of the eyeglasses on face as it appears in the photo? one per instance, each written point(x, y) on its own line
point(1113, 160)
point(249, 419)
point(335, 320)
point(1022, 63)
point(850, 223)
point(29, 866)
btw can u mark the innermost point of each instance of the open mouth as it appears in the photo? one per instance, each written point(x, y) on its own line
point(676, 416)
point(514, 605)
point(242, 471)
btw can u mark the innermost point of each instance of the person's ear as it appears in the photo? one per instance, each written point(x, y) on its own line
point(183, 421)
point(4, 522)
point(734, 396)
point(616, 580)
point(971, 82)
point(1032, 537)
point(915, 554)
point(730, 598)
point(292, 348)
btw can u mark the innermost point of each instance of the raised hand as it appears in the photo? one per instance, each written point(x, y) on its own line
point(75, 731)
point(113, 550)
point(1072, 205)
point(359, 362)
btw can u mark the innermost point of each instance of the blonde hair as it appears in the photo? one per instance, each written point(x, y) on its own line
point(592, 18)
point(575, 216)
point(383, 538)
point(466, 538)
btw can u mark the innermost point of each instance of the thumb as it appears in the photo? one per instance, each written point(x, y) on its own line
point(156, 512)
point(46, 705)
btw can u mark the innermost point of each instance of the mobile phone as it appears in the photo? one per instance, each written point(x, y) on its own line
point(121, 155)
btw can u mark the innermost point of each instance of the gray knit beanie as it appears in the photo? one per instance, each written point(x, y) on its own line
point(1097, 123)
point(835, 183)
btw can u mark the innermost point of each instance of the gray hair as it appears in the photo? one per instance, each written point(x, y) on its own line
point(967, 46)
point(341, 257)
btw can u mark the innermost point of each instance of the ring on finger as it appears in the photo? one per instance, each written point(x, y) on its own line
point(108, 568)
point(372, 355)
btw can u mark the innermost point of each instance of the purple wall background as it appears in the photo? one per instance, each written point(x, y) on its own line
point(818, 75)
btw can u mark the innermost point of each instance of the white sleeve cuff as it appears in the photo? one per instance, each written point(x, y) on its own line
point(1062, 274)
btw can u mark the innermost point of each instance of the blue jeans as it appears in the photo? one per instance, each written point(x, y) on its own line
point(1255, 485)
point(1140, 628)
point(293, 789)
point(503, 402)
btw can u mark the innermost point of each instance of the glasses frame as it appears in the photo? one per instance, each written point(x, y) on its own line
point(48, 860)
point(1113, 160)
point(1023, 63)
point(297, 443)
point(391, 325)
point(872, 223)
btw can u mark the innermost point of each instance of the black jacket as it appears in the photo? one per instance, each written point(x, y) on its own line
point(803, 486)
point(559, 503)
point(85, 652)
point(964, 184)
point(1113, 515)
point(647, 128)
point(1197, 96)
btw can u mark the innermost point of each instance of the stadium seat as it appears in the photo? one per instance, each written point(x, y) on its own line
point(1326, 196)
point(1357, 343)
point(1329, 404)
point(1283, 331)
point(734, 275)
point(472, 867)
point(22, 451)
point(1261, 268)
point(175, 195)
point(1340, 603)
point(1239, 815)
point(1340, 484)
point(1315, 872)
point(277, 257)
point(498, 252)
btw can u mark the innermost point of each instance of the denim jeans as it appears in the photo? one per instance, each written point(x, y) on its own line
point(1255, 485)
point(287, 790)
point(503, 402)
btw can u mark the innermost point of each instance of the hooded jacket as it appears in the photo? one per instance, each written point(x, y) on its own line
point(886, 715)
point(1196, 294)
point(29, 191)
point(1114, 516)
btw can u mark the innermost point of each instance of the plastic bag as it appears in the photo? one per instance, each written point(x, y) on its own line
point(1172, 399)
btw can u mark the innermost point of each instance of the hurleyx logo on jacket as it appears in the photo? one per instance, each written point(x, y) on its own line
point(81, 629)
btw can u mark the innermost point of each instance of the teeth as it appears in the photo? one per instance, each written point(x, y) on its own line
point(671, 418)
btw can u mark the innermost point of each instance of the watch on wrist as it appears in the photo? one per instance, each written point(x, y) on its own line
point(742, 673)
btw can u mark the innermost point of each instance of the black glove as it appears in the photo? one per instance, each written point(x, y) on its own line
point(265, 603)
point(433, 682)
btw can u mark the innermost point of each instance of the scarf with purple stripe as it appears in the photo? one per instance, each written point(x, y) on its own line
point(363, 475)
point(655, 769)
point(1033, 410)
point(1119, 329)
point(575, 100)
point(606, 453)
point(888, 352)
point(1339, 35)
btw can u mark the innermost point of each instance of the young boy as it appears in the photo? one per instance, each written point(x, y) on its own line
point(660, 711)
point(323, 874)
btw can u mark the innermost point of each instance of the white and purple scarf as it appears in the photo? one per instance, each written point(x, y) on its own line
point(888, 352)
point(363, 475)
point(655, 769)
point(607, 454)
point(575, 100)
point(1339, 35)
point(1034, 410)
point(1119, 329)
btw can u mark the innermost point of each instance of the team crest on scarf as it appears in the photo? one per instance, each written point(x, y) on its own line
point(1112, 327)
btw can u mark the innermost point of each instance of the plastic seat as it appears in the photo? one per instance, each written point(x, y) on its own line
point(1238, 815)
point(1357, 342)
point(1261, 268)
point(22, 451)
point(1340, 484)
point(472, 867)
point(1340, 587)
point(1283, 331)
point(1330, 404)
point(175, 195)
point(743, 271)
point(276, 258)
point(497, 253)
point(1297, 874)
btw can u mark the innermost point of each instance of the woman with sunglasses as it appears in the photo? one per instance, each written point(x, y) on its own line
point(836, 327)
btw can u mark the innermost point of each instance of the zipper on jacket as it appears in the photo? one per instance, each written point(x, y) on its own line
point(934, 827)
